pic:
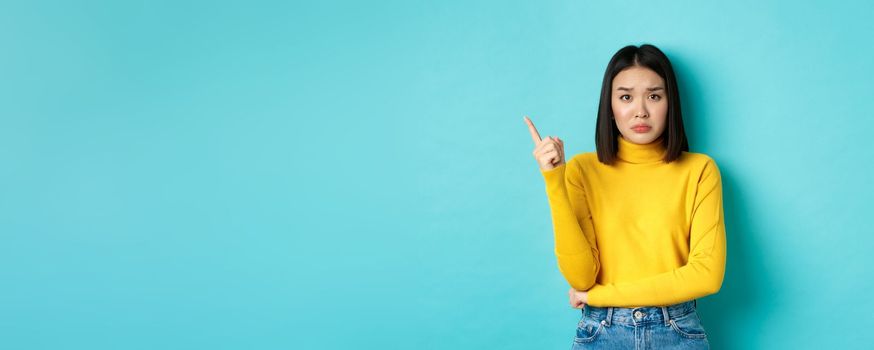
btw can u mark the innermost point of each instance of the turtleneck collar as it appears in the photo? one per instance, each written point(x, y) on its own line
point(634, 153)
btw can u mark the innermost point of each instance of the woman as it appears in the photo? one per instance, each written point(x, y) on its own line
point(639, 229)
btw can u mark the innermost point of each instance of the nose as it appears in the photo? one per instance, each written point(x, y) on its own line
point(641, 111)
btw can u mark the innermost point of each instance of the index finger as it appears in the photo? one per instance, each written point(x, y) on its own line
point(534, 134)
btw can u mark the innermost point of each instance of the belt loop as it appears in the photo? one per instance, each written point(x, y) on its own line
point(666, 316)
point(609, 315)
point(695, 303)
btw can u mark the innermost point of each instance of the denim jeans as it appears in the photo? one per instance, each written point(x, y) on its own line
point(641, 328)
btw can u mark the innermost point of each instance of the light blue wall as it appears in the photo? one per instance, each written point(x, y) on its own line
point(274, 175)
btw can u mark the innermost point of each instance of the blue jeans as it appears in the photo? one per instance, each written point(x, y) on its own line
point(652, 327)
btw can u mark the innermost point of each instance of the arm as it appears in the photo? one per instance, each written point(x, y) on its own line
point(575, 246)
point(705, 268)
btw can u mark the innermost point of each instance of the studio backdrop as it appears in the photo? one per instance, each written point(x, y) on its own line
point(357, 174)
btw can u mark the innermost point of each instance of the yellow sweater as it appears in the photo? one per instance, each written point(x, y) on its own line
point(640, 232)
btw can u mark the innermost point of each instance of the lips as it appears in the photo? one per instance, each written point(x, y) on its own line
point(641, 128)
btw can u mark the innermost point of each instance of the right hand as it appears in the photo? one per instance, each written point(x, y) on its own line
point(548, 152)
point(578, 299)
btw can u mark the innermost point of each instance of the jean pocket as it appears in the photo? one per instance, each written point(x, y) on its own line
point(588, 329)
point(689, 326)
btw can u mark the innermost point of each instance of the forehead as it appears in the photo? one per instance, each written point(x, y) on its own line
point(637, 76)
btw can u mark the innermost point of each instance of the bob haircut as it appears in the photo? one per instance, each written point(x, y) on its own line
point(606, 132)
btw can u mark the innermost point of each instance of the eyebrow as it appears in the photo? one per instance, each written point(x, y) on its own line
point(650, 89)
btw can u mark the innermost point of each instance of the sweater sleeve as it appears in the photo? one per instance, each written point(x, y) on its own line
point(705, 268)
point(575, 246)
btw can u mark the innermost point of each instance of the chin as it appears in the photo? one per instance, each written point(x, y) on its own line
point(641, 138)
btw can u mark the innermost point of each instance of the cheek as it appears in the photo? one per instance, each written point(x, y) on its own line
point(661, 113)
point(620, 111)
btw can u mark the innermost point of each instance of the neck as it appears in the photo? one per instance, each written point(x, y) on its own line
point(646, 153)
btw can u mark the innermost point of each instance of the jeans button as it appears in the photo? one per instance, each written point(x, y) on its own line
point(638, 314)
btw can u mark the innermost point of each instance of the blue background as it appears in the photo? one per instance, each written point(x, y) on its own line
point(274, 175)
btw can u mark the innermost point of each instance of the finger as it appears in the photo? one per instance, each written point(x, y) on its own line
point(560, 146)
point(547, 144)
point(535, 136)
point(551, 156)
point(542, 147)
point(554, 141)
point(545, 151)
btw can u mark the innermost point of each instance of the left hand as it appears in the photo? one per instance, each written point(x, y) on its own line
point(578, 298)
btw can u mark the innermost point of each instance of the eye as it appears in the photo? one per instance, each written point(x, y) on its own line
point(655, 97)
point(623, 97)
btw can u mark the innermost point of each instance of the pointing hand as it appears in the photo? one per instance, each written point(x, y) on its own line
point(548, 152)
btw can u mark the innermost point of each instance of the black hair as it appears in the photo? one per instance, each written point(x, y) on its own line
point(606, 132)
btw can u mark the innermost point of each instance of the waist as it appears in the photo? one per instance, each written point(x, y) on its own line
point(640, 315)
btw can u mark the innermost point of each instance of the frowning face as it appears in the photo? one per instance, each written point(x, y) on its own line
point(640, 104)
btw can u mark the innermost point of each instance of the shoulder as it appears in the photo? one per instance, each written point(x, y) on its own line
point(695, 159)
point(702, 164)
point(583, 160)
point(579, 165)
